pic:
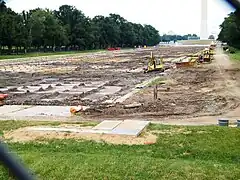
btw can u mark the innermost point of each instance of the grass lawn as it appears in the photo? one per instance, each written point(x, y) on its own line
point(235, 56)
point(199, 42)
point(3, 57)
point(181, 153)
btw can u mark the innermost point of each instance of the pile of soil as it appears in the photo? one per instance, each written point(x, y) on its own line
point(24, 135)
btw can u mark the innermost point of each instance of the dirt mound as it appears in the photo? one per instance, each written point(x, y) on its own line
point(24, 135)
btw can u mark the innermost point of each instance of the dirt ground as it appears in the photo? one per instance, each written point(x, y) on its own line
point(208, 90)
point(99, 79)
point(118, 71)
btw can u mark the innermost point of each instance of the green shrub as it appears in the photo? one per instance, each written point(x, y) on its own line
point(232, 50)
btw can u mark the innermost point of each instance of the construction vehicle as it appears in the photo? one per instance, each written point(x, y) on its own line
point(154, 64)
point(205, 56)
point(212, 48)
point(2, 99)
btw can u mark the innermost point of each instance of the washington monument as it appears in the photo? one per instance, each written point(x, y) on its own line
point(204, 14)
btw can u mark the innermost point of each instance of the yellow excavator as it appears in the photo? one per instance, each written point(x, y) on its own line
point(206, 56)
point(212, 48)
point(154, 64)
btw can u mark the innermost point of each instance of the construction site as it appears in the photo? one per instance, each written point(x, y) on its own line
point(119, 84)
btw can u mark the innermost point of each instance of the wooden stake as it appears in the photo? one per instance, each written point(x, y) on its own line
point(155, 92)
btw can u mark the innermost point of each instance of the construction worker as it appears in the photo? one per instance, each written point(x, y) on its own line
point(200, 58)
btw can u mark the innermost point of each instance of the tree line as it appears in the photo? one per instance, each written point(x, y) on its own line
point(230, 30)
point(68, 27)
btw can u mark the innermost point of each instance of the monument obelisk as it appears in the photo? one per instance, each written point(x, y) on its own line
point(204, 23)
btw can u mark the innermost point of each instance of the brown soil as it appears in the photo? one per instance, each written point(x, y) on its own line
point(116, 70)
point(206, 90)
point(24, 135)
point(193, 92)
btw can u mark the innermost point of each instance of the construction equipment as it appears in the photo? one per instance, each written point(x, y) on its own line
point(154, 64)
point(205, 56)
point(212, 48)
point(2, 98)
point(186, 62)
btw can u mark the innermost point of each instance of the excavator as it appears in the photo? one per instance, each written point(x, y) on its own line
point(154, 64)
point(206, 56)
point(212, 48)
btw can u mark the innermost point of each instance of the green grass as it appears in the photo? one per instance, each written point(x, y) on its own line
point(181, 153)
point(199, 42)
point(12, 125)
point(235, 56)
point(3, 57)
point(157, 81)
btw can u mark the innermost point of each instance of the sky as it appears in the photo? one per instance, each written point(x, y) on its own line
point(177, 16)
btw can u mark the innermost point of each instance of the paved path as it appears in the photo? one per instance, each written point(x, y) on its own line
point(20, 112)
point(62, 113)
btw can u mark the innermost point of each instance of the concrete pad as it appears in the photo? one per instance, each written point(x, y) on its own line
point(83, 90)
point(126, 96)
point(94, 97)
point(107, 125)
point(50, 80)
point(4, 110)
point(53, 99)
point(95, 84)
point(127, 127)
point(130, 127)
point(29, 88)
point(109, 90)
point(3, 89)
point(58, 111)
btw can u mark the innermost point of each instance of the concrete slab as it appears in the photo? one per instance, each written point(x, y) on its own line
point(83, 89)
point(107, 125)
point(4, 110)
point(109, 90)
point(130, 127)
point(38, 111)
point(53, 99)
point(126, 96)
point(94, 97)
point(127, 127)
point(3, 89)
point(29, 88)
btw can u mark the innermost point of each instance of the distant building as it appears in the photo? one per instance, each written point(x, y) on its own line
point(171, 33)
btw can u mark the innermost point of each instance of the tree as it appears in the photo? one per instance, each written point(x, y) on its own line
point(69, 27)
point(211, 37)
point(9, 27)
point(230, 29)
point(46, 29)
point(3, 7)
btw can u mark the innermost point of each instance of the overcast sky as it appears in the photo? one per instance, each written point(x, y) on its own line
point(179, 16)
